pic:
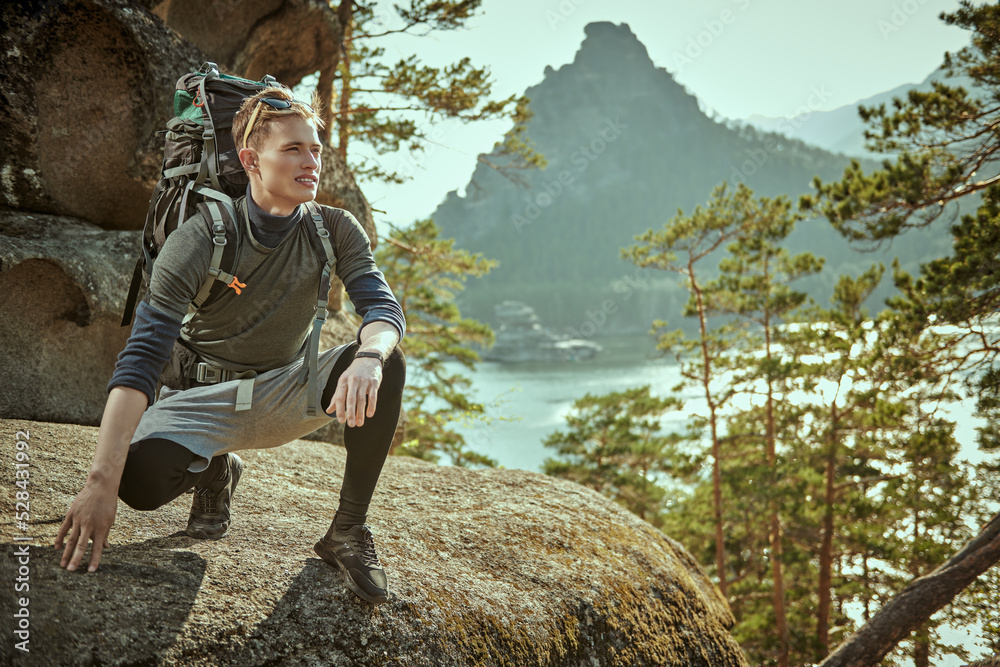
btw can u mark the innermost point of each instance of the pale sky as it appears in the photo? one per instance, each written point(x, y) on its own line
point(739, 57)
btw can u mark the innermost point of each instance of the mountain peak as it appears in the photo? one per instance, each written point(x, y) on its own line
point(605, 40)
point(609, 30)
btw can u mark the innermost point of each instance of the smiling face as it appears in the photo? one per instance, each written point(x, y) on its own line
point(284, 169)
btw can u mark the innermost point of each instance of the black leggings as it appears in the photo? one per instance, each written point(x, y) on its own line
point(156, 470)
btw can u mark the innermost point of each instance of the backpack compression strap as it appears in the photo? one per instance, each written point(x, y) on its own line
point(215, 272)
point(210, 151)
point(310, 365)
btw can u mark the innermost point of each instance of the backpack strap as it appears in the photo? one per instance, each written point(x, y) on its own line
point(320, 236)
point(144, 263)
point(222, 219)
point(210, 150)
point(133, 292)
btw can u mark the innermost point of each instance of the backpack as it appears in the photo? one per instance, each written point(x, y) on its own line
point(201, 172)
point(200, 163)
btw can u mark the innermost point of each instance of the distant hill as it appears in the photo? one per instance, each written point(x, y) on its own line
point(627, 146)
point(841, 130)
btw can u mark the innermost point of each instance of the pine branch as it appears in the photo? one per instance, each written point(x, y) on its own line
point(920, 600)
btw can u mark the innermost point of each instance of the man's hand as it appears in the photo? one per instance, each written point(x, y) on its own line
point(89, 518)
point(357, 385)
point(92, 513)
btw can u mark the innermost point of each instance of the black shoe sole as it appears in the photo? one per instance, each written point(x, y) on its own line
point(332, 559)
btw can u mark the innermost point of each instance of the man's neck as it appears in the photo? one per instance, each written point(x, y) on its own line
point(269, 204)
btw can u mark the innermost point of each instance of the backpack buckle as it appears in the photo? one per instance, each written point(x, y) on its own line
point(207, 373)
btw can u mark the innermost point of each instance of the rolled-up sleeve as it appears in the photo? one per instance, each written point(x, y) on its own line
point(374, 301)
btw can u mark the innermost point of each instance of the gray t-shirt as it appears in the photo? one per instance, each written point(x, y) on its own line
point(267, 324)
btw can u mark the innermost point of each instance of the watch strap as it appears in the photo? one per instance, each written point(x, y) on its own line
point(370, 353)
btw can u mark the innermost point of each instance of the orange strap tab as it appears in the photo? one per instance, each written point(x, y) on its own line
point(237, 285)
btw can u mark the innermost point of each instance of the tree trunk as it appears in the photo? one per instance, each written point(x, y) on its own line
point(920, 600)
point(324, 90)
point(826, 545)
point(777, 550)
point(346, 11)
point(706, 377)
point(922, 652)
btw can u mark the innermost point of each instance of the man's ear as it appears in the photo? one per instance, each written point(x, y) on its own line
point(248, 158)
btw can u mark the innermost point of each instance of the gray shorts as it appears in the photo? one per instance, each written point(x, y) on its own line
point(205, 419)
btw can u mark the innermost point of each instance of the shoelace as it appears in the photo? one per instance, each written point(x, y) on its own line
point(368, 554)
point(208, 501)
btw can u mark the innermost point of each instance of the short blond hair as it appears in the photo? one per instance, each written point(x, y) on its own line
point(261, 129)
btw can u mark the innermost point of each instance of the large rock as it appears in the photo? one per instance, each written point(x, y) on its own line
point(63, 284)
point(88, 84)
point(62, 291)
point(253, 37)
point(493, 567)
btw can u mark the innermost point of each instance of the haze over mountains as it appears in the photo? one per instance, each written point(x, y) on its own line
point(627, 146)
point(841, 130)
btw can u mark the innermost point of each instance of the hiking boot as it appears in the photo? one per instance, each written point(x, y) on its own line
point(354, 553)
point(210, 508)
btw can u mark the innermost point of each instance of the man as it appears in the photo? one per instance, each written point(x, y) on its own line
point(234, 379)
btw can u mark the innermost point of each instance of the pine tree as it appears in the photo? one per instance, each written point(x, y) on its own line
point(948, 153)
point(617, 446)
point(427, 272)
point(754, 285)
point(841, 341)
point(375, 104)
point(684, 246)
point(947, 157)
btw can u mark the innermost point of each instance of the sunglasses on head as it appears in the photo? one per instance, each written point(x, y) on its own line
point(277, 103)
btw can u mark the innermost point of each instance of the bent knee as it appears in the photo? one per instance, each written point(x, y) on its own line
point(395, 366)
point(143, 494)
point(143, 502)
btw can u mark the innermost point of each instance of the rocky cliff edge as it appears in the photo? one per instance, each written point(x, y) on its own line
point(490, 567)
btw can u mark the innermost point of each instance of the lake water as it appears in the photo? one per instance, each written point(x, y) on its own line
point(528, 401)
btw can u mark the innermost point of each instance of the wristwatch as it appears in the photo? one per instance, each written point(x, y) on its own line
point(371, 353)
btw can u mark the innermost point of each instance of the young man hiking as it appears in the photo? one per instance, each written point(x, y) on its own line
point(235, 378)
